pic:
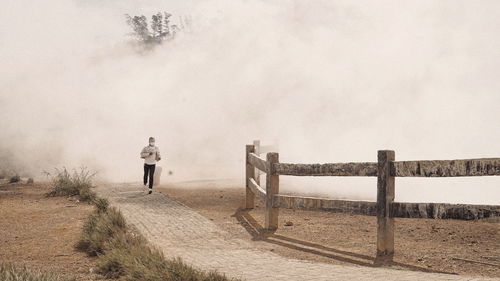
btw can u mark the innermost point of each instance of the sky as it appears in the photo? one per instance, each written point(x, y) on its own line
point(323, 81)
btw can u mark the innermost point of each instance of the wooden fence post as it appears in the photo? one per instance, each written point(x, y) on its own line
point(250, 173)
point(272, 188)
point(385, 196)
point(256, 144)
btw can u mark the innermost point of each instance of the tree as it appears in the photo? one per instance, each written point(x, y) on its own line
point(140, 26)
point(158, 31)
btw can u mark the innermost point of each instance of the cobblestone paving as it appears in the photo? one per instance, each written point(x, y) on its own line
point(181, 232)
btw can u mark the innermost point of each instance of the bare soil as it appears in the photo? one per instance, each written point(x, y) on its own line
point(421, 244)
point(40, 232)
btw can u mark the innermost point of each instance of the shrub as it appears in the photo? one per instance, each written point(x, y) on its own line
point(10, 273)
point(99, 229)
point(15, 178)
point(72, 184)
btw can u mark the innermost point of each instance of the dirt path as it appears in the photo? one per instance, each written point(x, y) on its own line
point(181, 232)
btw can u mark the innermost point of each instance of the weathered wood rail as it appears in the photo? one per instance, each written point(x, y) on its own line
point(447, 168)
point(385, 169)
point(328, 170)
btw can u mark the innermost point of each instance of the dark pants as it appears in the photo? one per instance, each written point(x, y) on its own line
point(149, 170)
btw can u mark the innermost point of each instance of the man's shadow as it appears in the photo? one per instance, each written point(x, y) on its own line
point(260, 234)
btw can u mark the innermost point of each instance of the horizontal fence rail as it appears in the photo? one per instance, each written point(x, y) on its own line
point(331, 169)
point(443, 210)
point(447, 168)
point(257, 190)
point(312, 203)
point(397, 209)
point(257, 162)
point(386, 169)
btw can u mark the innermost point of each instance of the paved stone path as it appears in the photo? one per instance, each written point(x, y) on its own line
point(181, 232)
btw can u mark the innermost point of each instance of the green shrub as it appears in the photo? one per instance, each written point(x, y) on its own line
point(72, 184)
point(10, 273)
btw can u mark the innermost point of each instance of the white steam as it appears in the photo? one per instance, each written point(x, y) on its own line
point(329, 81)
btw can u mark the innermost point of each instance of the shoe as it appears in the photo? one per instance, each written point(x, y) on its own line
point(150, 191)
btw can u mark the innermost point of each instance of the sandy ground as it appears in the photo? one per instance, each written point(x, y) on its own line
point(421, 244)
point(41, 232)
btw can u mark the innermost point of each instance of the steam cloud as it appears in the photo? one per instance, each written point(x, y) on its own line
point(329, 81)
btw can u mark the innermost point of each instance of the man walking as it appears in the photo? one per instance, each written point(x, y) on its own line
point(150, 154)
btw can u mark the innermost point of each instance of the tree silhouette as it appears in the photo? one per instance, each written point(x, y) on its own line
point(158, 31)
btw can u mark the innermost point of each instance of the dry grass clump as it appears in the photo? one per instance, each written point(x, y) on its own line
point(124, 253)
point(101, 204)
point(99, 228)
point(10, 273)
point(134, 260)
point(78, 183)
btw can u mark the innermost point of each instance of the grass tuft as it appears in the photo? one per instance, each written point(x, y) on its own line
point(11, 273)
point(101, 204)
point(99, 229)
point(78, 183)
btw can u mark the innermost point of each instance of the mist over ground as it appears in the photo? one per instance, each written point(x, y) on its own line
point(327, 81)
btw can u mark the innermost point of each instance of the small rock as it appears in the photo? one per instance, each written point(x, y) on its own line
point(288, 223)
point(30, 181)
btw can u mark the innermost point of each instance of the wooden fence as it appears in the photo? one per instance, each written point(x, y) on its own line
point(386, 169)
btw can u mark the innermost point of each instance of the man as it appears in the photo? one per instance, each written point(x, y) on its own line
point(150, 154)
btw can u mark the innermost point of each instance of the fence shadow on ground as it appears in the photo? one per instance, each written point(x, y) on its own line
point(259, 233)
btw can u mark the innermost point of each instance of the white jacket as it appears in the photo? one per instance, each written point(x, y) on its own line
point(151, 154)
